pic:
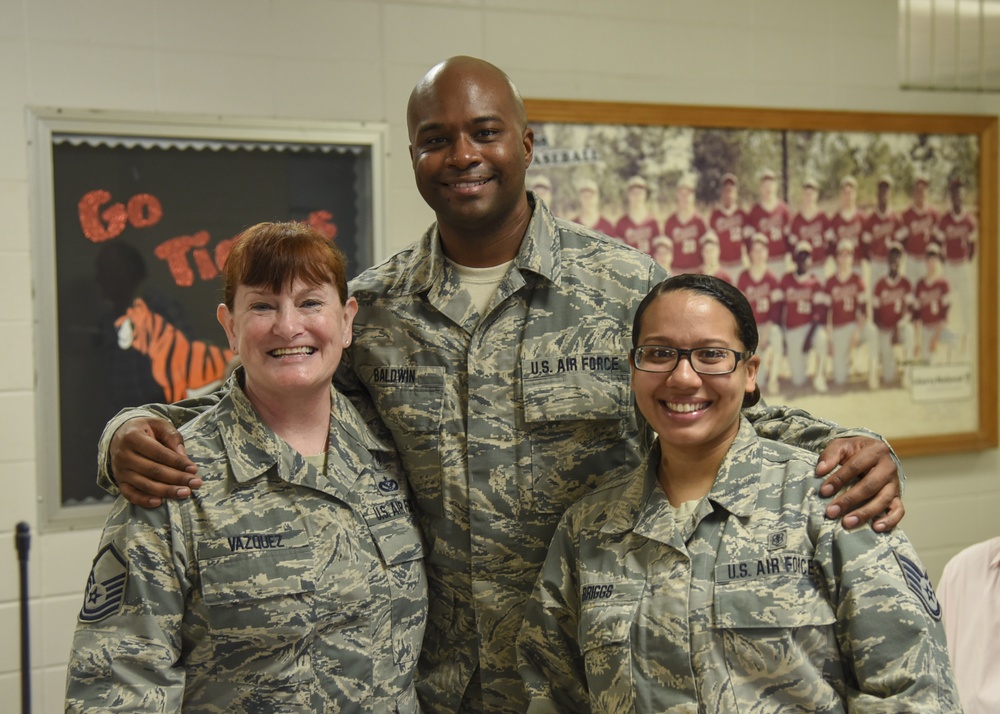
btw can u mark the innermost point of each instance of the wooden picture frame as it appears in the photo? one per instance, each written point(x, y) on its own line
point(132, 218)
point(939, 393)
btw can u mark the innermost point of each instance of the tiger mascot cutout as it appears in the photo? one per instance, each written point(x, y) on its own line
point(182, 367)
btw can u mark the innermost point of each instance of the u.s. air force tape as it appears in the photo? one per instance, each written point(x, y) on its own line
point(105, 586)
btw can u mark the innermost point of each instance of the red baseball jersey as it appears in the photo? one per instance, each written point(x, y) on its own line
point(814, 232)
point(891, 299)
point(721, 274)
point(773, 224)
point(847, 228)
point(687, 241)
point(879, 229)
point(637, 235)
point(957, 235)
point(603, 225)
point(802, 298)
point(847, 298)
point(729, 228)
point(919, 227)
point(933, 300)
point(764, 295)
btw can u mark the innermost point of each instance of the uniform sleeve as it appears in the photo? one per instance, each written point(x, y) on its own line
point(127, 645)
point(888, 622)
point(797, 427)
point(548, 653)
point(178, 414)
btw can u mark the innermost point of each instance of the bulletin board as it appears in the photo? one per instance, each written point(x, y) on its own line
point(134, 216)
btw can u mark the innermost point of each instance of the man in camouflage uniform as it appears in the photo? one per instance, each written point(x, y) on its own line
point(755, 601)
point(507, 399)
point(301, 591)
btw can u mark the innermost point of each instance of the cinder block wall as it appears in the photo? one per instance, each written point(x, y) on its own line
point(357, 60)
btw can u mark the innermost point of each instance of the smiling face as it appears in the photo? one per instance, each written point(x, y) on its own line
point(470, 147)
point(290, 342)
point(692, 412)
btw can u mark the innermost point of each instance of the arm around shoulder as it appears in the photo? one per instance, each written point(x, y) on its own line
point(160, 457)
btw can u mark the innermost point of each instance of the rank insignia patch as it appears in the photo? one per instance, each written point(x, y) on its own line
point(920, 583)
point(105, 586)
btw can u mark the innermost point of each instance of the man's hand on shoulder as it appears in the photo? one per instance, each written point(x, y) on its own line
point(149, 462)
point(867, 465)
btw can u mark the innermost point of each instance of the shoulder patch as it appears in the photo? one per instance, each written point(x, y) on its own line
point(105, 586)
point(920, 583)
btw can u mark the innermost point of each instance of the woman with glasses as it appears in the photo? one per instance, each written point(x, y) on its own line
point(709, 580)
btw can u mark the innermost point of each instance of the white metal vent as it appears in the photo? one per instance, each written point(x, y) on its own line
point(950, 44)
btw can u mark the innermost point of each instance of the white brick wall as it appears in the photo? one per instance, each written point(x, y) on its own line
point(357, 60)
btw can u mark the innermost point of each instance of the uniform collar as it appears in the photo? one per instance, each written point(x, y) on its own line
point(540, 253)
point(253, 449)
point(735, 488)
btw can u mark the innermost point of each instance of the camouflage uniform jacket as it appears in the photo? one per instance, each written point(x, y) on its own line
point(502, 421)
point(275, 587)
point(756, 602)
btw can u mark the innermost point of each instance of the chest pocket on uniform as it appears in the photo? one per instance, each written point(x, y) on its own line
point(254, 583)
point(402, 550)
point(607, 613)
point(775, 591)
point(410, 400)
point(257, 569)
point(576, 410)
point(762, 618)
point(408, 397)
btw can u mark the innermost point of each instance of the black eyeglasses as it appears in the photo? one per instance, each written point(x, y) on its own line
point(703, 360)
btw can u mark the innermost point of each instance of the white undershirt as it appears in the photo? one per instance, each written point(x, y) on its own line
point(481, 283)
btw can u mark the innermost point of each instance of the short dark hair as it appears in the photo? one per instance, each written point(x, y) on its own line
point(723, 293)
point(273, 255)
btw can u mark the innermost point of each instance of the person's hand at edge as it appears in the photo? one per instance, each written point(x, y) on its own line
point(867, 465)
point(149, 463)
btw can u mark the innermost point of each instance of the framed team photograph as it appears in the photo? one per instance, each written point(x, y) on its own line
point(133, 217)
point(865, 243)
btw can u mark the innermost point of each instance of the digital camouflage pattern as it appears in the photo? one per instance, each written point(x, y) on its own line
point(274, 588)
point(502, 421)
point(755, 602)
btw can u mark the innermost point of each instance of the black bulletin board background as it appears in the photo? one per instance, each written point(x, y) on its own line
point(217, 187)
